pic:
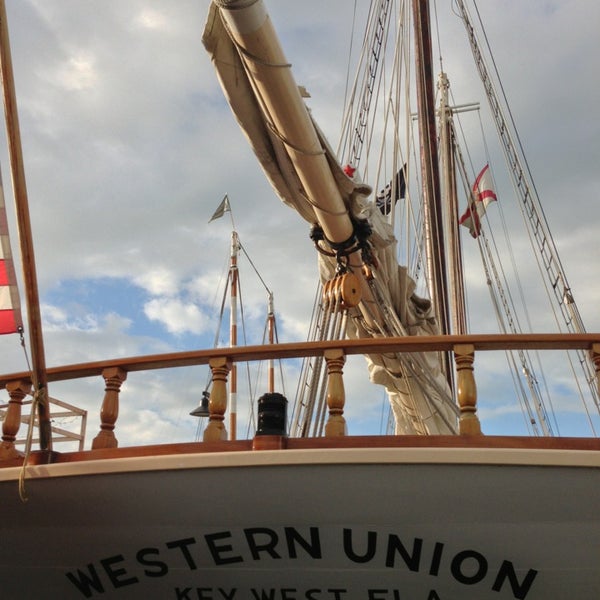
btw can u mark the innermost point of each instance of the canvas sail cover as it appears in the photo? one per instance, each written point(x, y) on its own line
point(420, 397)
point(10, 307)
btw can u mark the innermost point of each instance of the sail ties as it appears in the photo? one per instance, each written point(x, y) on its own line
point(289, 144)
point(243, 51)
point(250, 57)
point(257, 59)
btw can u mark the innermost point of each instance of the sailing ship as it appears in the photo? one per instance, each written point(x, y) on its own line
point(301, 509)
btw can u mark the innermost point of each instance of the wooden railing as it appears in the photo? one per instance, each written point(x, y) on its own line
point(77, 418)
point(114, 372)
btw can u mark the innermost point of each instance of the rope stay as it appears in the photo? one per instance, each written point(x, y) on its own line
point(377, 25)
point(354, 147)
point(374, 39)
point(506, 315)
point(530, 204)
point(358, 127)
point(232, 286)
point(327, 319)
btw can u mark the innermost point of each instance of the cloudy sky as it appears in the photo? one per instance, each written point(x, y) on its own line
point(129, 147)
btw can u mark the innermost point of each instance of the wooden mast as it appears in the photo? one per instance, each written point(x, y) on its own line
point(271, 333)
point(25, 234)
point(429, 163)
point(447, 147)
point(430, 173)
point(234, 279)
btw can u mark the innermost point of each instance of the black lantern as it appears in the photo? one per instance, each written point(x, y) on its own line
point(202, 409)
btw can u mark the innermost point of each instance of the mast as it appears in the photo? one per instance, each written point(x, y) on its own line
point(271, 334)
point(13, 134)
point(234, 278)
point(430, 174)
point(429, 164)
point(447, 147)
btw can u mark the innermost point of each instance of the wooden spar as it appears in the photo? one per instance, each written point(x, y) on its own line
point(436, 255)
point(251, 29)
point(430, 173)
point(25, 234)
point(271, 333)
point(234, 278)
point(447, 147)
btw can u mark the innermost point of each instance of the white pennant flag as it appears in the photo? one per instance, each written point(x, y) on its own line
point(222, 209)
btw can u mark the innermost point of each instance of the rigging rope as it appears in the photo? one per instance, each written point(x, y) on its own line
point(502, 301)
point(363, 107)
point(226, 288)
point(37, 397)
point(553, 274)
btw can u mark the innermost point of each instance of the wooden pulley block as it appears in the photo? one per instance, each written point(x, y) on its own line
point(349, 288)
point(328, 297)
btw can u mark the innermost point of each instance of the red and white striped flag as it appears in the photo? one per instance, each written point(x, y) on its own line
point(10, 306)
point(483, 194)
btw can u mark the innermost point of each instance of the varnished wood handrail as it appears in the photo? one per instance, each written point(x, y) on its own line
point(537, 341)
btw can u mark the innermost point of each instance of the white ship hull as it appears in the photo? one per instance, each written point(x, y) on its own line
point(348, 523)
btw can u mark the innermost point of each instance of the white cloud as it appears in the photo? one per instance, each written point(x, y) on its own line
point(58, 319)
point(177, 316)
point(78, 73)
point(159, 281)
point(151, 18)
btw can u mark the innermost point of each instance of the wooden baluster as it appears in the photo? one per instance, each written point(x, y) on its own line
point(17, 390)
point(215, 429)
point(596, 359)
point(114, 378)
point(336, 395)
point(464, 355)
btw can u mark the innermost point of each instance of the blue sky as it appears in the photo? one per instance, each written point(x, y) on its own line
point(129, 147)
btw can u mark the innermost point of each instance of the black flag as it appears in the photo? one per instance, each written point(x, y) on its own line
point(397, 188)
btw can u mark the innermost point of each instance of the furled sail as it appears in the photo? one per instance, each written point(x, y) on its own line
point(306, 175)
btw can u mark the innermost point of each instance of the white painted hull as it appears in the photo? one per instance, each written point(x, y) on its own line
point(372, 524)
